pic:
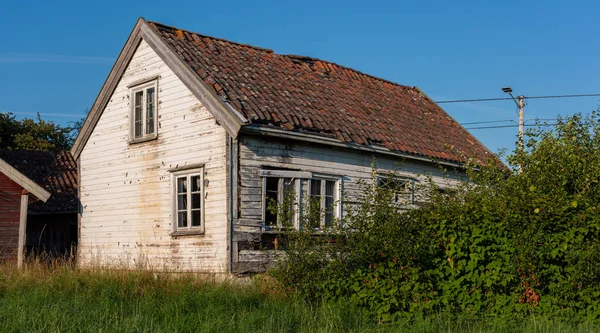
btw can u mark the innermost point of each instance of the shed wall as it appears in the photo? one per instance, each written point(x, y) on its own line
point(10, 203)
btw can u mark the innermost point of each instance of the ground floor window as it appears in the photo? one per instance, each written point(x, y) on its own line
point(298, 199)
point(188, 203)
point(402, 189)
point(322, 202)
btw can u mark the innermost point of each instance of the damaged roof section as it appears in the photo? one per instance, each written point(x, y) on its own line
point(56, 173)
point(309, 95)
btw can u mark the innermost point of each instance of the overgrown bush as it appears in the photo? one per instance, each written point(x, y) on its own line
point(508, 242)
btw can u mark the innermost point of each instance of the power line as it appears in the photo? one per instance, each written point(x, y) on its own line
point(564, 96)
point(504, 121)
point(526, 97)
point(504, 126)
point(487, 122)
point(475, 100)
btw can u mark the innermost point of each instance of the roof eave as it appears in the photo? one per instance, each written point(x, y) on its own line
point(319, 139)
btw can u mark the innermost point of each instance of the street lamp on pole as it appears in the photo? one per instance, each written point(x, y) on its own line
point(521, 105)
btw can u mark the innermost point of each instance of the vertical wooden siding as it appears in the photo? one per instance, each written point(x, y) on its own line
point(10, 204)
point(126, 189)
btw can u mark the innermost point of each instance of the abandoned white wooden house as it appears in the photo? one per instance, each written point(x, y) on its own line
point(191, 136)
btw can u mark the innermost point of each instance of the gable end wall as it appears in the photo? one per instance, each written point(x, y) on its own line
point(126, 189)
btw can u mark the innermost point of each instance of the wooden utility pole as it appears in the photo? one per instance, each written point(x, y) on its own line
point(521, 105)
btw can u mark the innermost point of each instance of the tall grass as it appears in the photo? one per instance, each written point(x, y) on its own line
point(60, 298)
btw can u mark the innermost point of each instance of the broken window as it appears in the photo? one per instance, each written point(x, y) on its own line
point(188, 201)
point(291, 198)
point(280, 197)
point(401, 189)
point(143, 119)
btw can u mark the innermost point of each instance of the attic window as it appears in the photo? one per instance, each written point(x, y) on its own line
point(143, 99)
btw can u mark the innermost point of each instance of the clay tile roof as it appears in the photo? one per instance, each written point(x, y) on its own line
point(55, 172)
point(306, 94)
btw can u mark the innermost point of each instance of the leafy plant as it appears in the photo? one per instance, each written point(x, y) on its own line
point(507, 242)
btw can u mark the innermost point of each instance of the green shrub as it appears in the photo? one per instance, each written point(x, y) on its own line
point(508, 242)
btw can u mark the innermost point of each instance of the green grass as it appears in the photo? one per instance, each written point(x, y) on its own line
point(63, 299)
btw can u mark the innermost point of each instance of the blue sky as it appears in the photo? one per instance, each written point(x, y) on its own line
point(55, 55)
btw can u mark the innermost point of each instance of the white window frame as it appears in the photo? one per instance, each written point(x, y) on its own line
point(410, 180)
point(299, 205)
point(175, 229)
point(144, 86)
point(280, 198)
point(337, 207)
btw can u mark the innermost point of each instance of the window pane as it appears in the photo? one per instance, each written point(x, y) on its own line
point(150, 110)
point(182, 185)
point(271, 201)
point(182, 219)
point(288, 189)
point(272, 184)
point(315, 187)
point(138, 113)
point(328, 211)
point(196, 186)
point(181, 201)
point(196, 201)
point(401, 189)
point(287, 206)
point(138, 129)
point(195, 218)
point(329, 187)
point(314, 204)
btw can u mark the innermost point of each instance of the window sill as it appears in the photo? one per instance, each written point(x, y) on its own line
point(187, 233)
point(143, 139)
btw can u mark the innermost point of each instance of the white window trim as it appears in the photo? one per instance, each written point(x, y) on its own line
point(189, 230)
point(145, 84)
point(299, 204)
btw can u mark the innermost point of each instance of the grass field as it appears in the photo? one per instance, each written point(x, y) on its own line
point(63, 299)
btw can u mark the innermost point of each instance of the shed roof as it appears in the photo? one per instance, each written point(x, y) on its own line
point(55, 172)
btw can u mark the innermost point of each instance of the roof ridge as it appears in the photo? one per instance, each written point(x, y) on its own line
point(212, 37)
point(293, 56)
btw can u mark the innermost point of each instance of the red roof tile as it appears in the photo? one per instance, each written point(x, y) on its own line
point(310, 95)
point(57, 173)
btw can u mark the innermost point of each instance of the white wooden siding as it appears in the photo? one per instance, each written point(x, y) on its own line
point(126, 188)
point(353, 165)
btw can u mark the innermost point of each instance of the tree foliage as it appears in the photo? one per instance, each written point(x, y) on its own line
point(509, 242)
point(34, 134)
